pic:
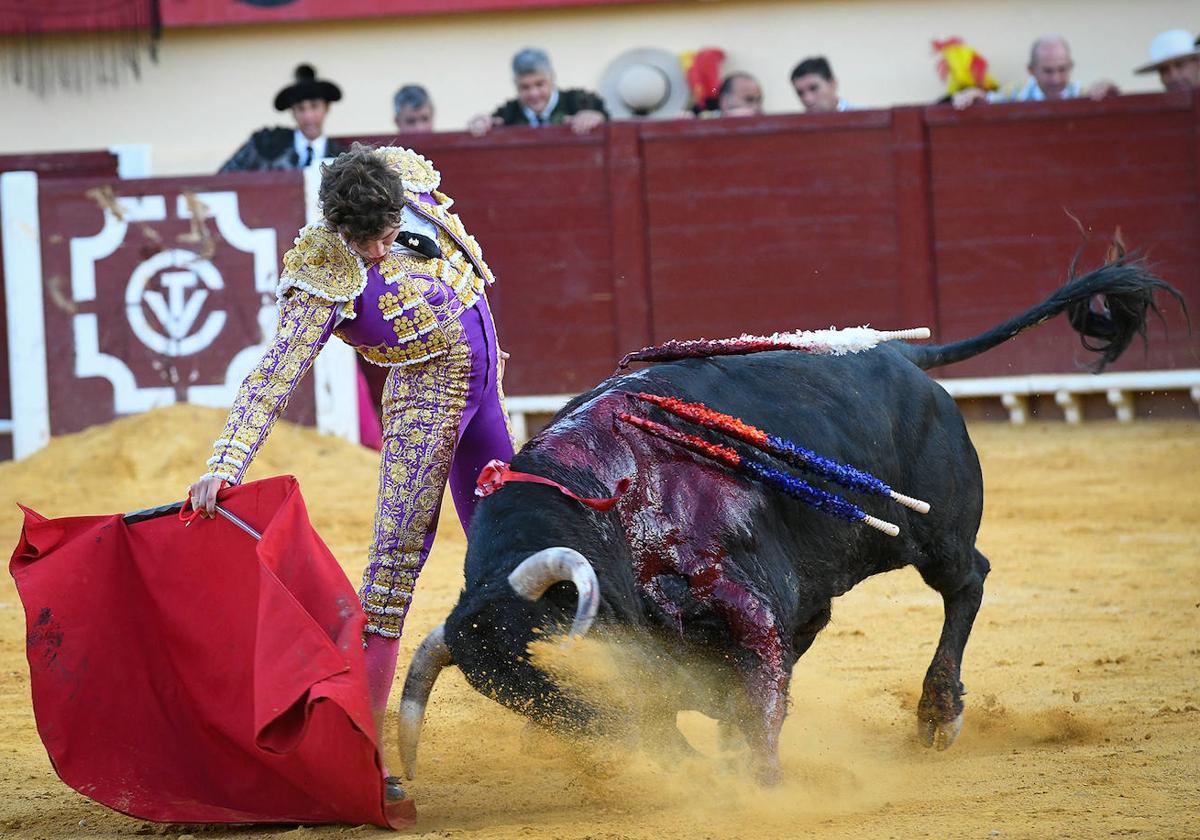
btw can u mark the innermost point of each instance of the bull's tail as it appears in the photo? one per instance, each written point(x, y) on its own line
point(1128, 288)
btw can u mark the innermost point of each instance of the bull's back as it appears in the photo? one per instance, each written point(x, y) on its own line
point(874, 410)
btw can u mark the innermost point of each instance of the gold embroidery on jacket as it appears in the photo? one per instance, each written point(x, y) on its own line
point(303, 323)
point(323, 264)
point(420, 327)
point(449, 223)
point(417, 175)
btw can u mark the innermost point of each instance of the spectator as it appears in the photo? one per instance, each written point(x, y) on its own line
point(1050, 67)
point(308, 99)
point(1176, 57)
point(540, 101)
point(740, 96)
point(414, 110)
point(817, 87)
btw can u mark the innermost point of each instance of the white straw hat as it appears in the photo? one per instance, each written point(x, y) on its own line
point(1168, 46)
point(645, 82)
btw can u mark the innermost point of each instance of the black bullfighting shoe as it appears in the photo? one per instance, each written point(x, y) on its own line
point(393, 791)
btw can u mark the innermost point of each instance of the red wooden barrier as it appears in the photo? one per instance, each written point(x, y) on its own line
point(908, 216)
point(539, 203)
point(783, 223)
point(62, 164)
point(1001, 180)
point(649, 231)
point(46, 165)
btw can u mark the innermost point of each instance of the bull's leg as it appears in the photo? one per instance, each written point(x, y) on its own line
point(760, 718)
point(730, 747)
point(760, 712)
point(729, 740)
point(807, 632)
point(939, 713)
point(668, 745)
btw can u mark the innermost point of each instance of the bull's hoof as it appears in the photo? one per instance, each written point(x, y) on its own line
point(939, 734)
point(940, 711)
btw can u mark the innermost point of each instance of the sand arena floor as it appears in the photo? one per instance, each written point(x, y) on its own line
point(1083, 712)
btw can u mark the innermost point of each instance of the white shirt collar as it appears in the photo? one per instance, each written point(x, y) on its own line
point(301, 143)
point(1032, 92)
point(532, 116)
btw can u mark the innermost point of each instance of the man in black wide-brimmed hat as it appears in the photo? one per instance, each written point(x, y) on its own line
point(308, 99)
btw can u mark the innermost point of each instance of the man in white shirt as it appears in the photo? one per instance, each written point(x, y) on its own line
point(1050, 67)
point(308, 99)
point(817, 87)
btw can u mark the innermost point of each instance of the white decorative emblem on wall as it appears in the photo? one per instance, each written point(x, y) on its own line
point(178, 309)
point(186, 279)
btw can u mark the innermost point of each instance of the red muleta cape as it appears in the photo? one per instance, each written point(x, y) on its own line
point(198, 675)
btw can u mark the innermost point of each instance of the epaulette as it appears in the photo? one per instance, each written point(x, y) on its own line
point(416, 174)
point(322, 264)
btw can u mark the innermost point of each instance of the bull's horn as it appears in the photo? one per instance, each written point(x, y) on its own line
point(431, 657)
point(540, 571)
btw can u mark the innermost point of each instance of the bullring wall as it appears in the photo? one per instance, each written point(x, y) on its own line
point(644, 232)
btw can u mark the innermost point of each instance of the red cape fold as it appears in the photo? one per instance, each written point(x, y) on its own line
point(195, 675)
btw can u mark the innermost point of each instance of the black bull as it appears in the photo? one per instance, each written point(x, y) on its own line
point(716, 568)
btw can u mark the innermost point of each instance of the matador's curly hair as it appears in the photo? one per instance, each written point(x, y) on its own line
point(360, 195)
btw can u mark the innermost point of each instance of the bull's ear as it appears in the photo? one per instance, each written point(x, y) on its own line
point(431, 656)
point(540, 571)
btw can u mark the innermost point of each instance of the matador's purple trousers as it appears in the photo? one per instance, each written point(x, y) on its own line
point(443, 416)
point(483, 432)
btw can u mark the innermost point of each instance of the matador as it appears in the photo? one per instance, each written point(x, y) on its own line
point(420, 310)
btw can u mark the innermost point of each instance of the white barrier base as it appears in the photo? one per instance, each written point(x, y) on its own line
point(1014, 391)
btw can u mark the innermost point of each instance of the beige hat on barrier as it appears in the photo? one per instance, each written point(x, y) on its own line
point(1168, 46)
point(645, 82)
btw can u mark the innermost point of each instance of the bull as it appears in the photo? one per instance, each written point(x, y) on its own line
point(713, 568)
